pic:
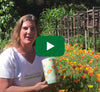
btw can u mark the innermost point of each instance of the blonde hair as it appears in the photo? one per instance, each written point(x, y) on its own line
point(15, 38)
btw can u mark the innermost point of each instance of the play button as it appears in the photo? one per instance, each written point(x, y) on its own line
point(49, 46)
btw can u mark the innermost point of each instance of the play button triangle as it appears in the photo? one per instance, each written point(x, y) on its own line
point(49, 46)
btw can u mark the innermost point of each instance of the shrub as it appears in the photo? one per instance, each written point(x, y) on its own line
point(8, 17)
point(79, 70)
point(47, 17)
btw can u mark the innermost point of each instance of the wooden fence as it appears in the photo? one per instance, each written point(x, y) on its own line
point(86, 23)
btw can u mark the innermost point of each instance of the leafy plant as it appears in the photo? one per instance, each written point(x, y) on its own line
point(79, 70)
point(47, 17)
point(7, 20)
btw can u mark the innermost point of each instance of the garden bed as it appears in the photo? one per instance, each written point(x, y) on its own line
point(79, 70)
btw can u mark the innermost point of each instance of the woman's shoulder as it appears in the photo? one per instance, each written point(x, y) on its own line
point(7, 52)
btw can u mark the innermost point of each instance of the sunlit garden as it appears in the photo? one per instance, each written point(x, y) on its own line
point(79, 70)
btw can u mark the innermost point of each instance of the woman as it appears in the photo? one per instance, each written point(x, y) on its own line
point(20, 67)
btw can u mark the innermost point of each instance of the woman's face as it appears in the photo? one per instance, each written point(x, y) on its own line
point(28, 33)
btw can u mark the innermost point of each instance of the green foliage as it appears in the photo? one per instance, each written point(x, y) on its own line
point(79, 69)
point(98, 44)
point(47, 16)
point(7, 20)
point(73, 8)
point(80, 40)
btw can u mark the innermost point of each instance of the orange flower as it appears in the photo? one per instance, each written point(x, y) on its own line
point(90, 62)
point(81, 45)
point(60, 59)
point(63, 58)
point(97, 53)
point(89, 49)
point(71, 47)
point(83, 76)
point(64, 70)
point(70, 77)
point(98, 75)
point(82, 56)
point(79, 65)
point(90, 74)
point(60, 66)
point(96, 68)
point(96, 59)
point(76, 80)
point(53, 67)
point(61, 90)
point(98, 79)
point(70, 63)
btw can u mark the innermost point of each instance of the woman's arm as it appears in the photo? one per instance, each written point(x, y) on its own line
point(6, 85)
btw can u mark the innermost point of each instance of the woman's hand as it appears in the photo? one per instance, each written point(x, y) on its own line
point(51, 87)
point(44, 87)
point(39, 87)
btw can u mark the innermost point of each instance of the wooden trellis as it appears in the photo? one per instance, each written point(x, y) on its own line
point(86, 23)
